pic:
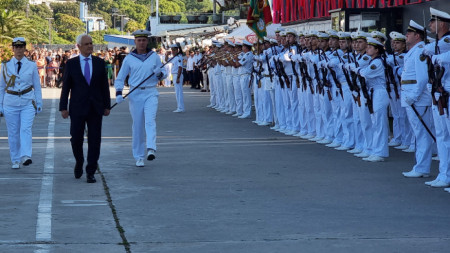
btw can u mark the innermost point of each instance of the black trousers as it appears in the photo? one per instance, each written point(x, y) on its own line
point(77, 126)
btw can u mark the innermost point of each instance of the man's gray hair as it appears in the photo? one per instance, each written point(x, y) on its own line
point(81, 36)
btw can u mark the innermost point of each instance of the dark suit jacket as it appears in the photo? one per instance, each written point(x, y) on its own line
point(83, 96)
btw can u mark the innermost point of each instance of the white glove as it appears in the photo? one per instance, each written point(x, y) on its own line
point(429, 87)
point(409, 101)
point(119, 99)
point(435, 59)
point(437, 95)
point(355, 93)
point(427, 52)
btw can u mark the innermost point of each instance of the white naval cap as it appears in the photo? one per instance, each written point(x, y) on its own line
point(377, 34)
point(362, 35)
point(273, 41)
point(238, 43)
point(279, 29)
point(414, 27)
point(353, 35)
point(246, 43)
point(333, 34)
point(173, 46)
point(396, 36)
point(439, 15)
point(141, 33)
point(313, 33)
point(266, 39)
point(373, 42)
point(323, 36)
point(291, 31)
point(343, 35)
point(19, 41)
point(283, 33)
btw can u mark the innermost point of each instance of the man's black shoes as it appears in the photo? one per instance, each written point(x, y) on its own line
point(90, 178)
point(27, 162)
point(78, 170)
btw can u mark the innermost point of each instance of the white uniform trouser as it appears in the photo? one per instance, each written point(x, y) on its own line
point(318, 113)
point(143, 107)
point(212, 88)
point(19, 121)
point(336, 111)
point(287, 106)
point(179, 93)
point(220, 92)
point(257, 100)
point(327, 116)
point(246, 95)
point(301, 94)
point(366, 126)
point(359, 138)
point(310, 111)
point(424, 142)
point(279, 107)
point(293, 99)
point(398, 123)
point(267, 100)
point(231, 93)
point(443, 144)
point(226, 104)
point(380, 124)
point(167, 81)
point(347, 121)
point(237, 94)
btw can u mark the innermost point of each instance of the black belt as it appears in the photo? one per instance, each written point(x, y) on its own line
point(19, 93)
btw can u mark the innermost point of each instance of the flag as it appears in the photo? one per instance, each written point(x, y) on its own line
point(259, 17)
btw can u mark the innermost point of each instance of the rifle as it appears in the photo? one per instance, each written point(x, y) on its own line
point(294, 70)
point(251, 77)
point(334, 76)
point(387, 74)
point(365, 92)
point(283, 73)
point(306, 77)
point(317, 77)
point(354, 81)
point(269, 68)
point(277, 69)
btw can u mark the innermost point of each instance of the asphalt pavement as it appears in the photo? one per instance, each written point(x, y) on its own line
point(218, 184)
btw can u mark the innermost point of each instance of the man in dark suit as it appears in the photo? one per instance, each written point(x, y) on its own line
point(86, 80)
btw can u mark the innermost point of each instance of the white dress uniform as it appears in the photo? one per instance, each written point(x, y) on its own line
point(144, 100)
point(246, 61)
point(376, 83)
point(442, 122)
point(178, 63)
point(20, 100)
point(414, 80)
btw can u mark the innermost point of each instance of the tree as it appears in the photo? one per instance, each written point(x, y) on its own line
point(71, 9)
point(68, 27)
point(193, 5)
point(14, 24)
point(132, 26)
point(41, 10)
point(16, 5)
point(98, 36)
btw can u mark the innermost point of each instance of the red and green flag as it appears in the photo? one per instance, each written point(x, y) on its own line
point(259, 17)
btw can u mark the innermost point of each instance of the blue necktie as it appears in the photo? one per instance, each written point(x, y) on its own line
point(87, 71)
point(19, 67)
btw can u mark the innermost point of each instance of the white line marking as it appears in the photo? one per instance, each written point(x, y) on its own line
point(44, 215)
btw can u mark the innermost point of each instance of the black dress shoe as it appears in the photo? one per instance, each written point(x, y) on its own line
point(90, 178)
point(27, 162)
point(78, 170)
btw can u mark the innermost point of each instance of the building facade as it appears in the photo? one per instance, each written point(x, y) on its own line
point(351, 15)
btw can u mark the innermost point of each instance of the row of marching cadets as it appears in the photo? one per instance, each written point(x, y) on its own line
point(337, 89)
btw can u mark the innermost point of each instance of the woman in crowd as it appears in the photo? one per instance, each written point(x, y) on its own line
point(41, 64)
point(109, 67)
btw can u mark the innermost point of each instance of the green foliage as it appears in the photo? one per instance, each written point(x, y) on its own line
point(14, 24)
point(132, 26)
point(68, 27)
point(97, 36)
point(71, 9)
point(41, 10)
point(41, 27)
point(194, 6)
point(13, 5)
point(135, 11)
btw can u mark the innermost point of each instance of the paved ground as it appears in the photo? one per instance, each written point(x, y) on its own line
point(219, 184)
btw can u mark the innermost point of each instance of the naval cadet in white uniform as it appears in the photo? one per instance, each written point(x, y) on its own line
point(140, 64)
point(177, 69)
point(20, 101)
